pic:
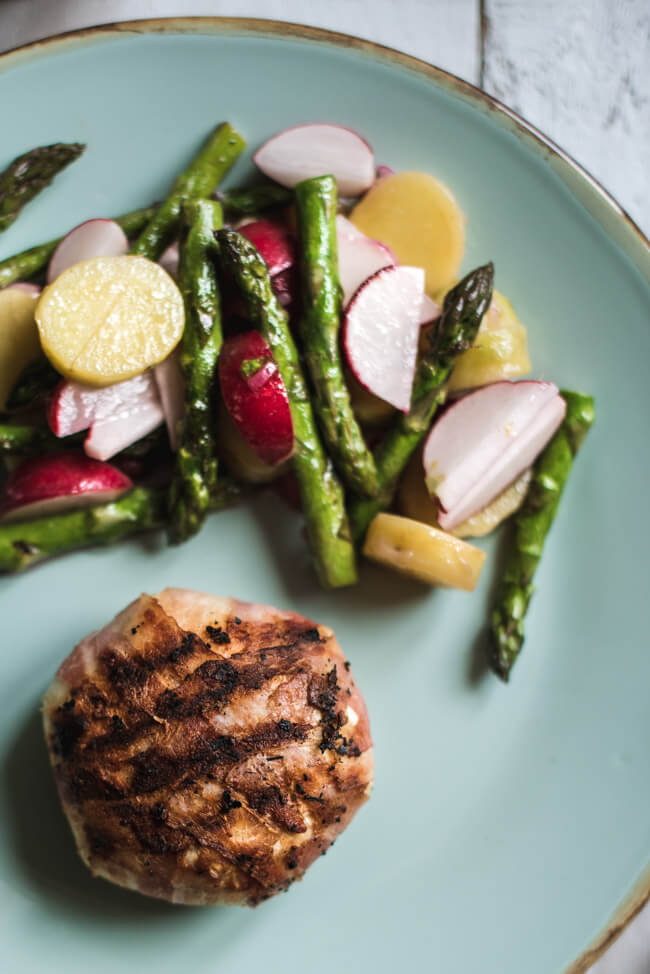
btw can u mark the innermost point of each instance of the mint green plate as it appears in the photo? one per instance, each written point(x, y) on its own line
point(507, 823)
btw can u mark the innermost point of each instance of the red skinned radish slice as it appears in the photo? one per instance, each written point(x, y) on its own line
point(117, 415)
point(484, 441)
point(316, 150)
point(382, 326)
point(273, 242)
point(47, 484)
point(359, 258)
point(171, 389)
point(255, 396)
point(27, 288)
point(94, 238)
point(169, 260)
point(383, 171)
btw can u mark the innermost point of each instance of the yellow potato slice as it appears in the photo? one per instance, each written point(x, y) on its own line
point(499, 352)
point(107, 319)
point(423, 552)
point(418, 218)
point(414, 501)
point(19, 341)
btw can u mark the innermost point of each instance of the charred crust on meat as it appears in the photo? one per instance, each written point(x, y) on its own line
point(323, 694)
point(68, 729)
point(228, 803)
point(217, 635)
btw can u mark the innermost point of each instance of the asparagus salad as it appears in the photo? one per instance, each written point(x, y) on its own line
point(311, 331)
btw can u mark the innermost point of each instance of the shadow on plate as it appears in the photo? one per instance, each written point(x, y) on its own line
point(379, 589)
point(43, 847)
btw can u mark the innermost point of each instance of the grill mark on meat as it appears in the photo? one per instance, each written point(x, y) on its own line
point(155, 769)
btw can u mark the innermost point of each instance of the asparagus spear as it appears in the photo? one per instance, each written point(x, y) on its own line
point(253, 199)
point(530, 528)
point(35, 382)
point(195, 475)
point(316, 201)
point(22, 266)
point(27, 175)
point(462, 311)
point(321, 492)
point(199, 180)
point(23, 438)
point(142, 509)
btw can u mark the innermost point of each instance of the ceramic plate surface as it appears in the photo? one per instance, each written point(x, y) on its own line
point(507, 823)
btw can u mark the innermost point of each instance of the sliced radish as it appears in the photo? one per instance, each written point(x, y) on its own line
point(169, 260)
point(316, 150)
point(429, 311)
point(94, 238)
point(24, 286)
point(359, 258)
point(273, 242)
point(346, 228)
point(381, 330)
point(383, 171)
point(117, 415)
point(43, 485)
point(484, 441)
point(285, 286)
point(171, 389)
point(255, 396)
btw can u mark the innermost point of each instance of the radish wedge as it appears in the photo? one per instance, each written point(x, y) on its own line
point(94, 238)
point(315, 150)
point(429, 311)
point(44, 485)
point(484, 441)
point(381, 331)
point(273, 242)
point(171, 389)
point(359, 258)
point(255, 396)
point(117, 415)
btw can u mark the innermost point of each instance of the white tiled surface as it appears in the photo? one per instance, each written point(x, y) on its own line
point(578, 69)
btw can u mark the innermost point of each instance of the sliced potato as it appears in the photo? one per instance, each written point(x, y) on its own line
point(414, 501)
point(108, 319)
point(19, 341)
point(423, 552)
point(418, 218)
point(500, 351)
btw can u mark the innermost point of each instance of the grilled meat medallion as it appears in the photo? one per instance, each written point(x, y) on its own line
point(207, 750)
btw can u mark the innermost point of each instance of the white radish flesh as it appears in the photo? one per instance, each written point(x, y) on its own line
point(57, 505)
point(118, 414)
point(484, 441)
point(94, 238)
point(381, 332)
point(429, 311)
point(171, 389)
point(316, 150)
point(359, 258)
